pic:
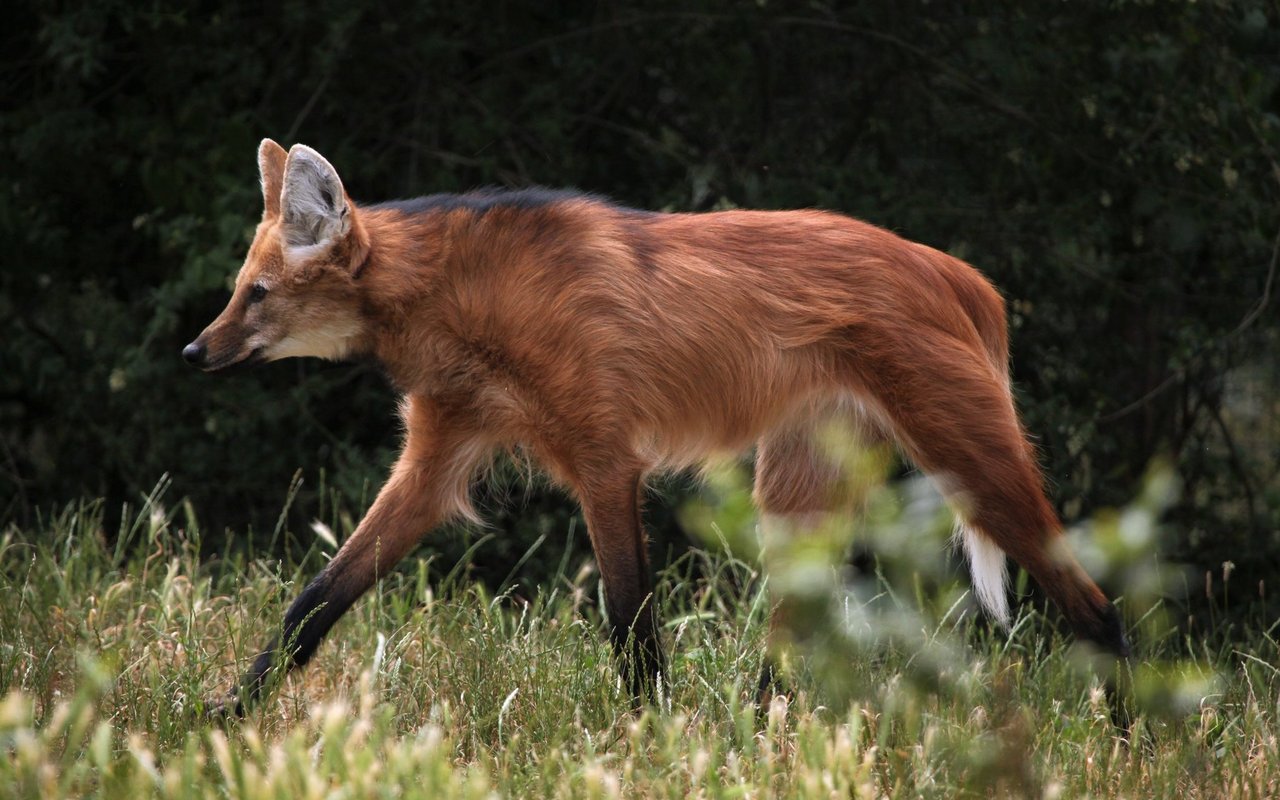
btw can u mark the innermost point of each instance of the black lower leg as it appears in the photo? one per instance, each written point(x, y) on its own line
point(306, 622)
point(641, 660)
point(770, 682)
point(1105, 630)
point(1119, 685)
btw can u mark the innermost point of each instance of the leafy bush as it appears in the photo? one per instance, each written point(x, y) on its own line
point(1112, 167)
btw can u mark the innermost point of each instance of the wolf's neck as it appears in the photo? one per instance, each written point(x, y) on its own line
point(399, 285)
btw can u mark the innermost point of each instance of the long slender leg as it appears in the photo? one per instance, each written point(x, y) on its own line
point(428, 483)
point(611, 505)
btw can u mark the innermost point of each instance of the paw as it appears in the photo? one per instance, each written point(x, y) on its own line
point(223, 709)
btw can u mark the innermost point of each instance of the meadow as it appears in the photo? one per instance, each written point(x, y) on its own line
point(434, 686)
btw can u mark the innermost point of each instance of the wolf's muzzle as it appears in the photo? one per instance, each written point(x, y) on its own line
point(194, 353)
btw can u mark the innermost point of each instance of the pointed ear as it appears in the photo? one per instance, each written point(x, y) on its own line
point(271, 157)
point(313, 204)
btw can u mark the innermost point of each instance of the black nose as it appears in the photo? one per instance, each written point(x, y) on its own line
point(193, 353)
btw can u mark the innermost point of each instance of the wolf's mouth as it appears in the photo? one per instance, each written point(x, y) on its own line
point(234, 363)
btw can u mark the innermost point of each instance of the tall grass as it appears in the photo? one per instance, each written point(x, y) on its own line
point(433, 687)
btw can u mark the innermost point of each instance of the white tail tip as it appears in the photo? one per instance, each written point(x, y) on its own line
point(989, 572)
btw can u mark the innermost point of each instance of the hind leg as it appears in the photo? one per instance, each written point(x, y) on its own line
point(801, 486)
point(954, 416)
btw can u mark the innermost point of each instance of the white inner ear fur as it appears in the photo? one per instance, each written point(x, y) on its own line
point(313, 205)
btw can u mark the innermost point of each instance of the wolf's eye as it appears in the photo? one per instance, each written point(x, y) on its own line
point(257, 292)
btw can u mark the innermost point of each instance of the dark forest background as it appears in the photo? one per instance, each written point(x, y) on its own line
point(1111, 166)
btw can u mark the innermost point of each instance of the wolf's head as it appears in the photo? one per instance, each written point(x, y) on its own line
point(296, 294)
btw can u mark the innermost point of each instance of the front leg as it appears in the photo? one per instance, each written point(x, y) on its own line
point(428, 484)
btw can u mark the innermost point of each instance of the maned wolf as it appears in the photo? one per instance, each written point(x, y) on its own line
point(611, 343)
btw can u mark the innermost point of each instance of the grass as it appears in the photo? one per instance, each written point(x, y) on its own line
point(432, 687)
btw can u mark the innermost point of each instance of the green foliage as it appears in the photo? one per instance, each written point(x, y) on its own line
point(1111, 166)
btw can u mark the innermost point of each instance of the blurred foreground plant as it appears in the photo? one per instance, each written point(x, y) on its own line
point(831, 615)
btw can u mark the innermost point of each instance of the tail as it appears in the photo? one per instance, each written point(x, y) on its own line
point(989, 571)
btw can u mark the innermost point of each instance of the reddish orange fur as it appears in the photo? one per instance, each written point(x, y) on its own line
point(609, 343)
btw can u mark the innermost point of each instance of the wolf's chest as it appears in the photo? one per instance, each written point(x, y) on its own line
point(503, 392)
